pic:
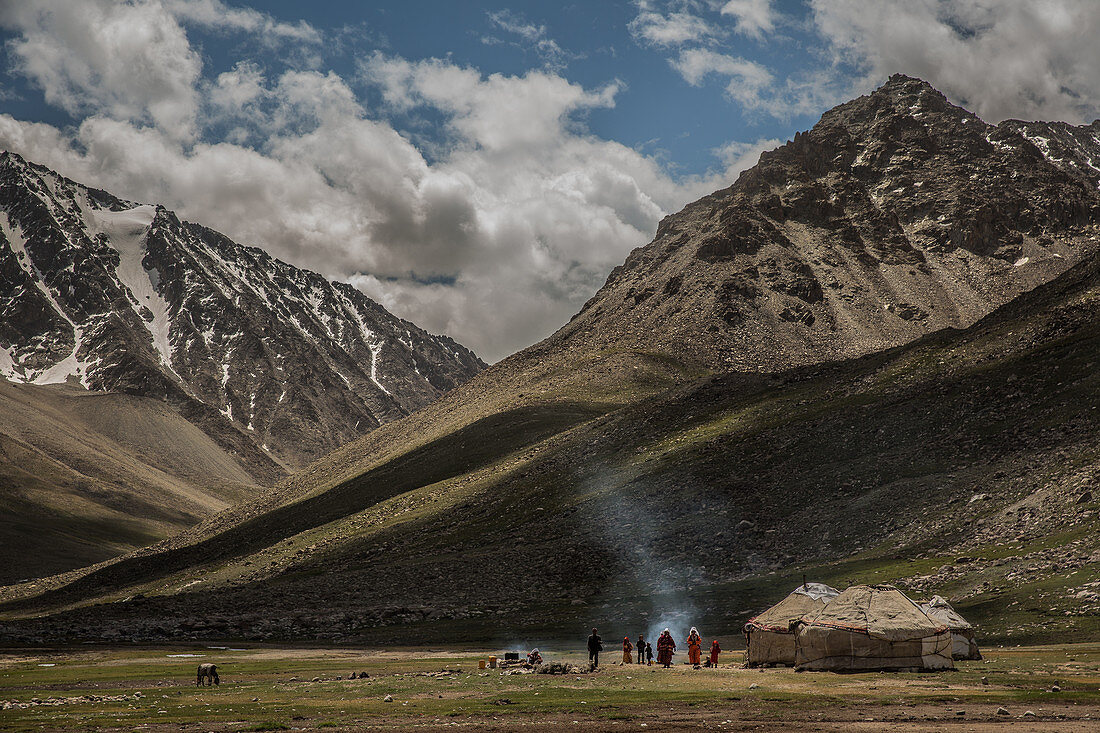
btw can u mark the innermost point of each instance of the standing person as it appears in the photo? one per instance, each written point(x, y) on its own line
point(641, 649)
point(627, 648)
point(715, 650)
point(594, 649)
point(695, 647)
point(649, 653)
point(666, 647)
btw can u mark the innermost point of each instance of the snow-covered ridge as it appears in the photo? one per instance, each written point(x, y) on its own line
point(124, 296)
point(125, 231)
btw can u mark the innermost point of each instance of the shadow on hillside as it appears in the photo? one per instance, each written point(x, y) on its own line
point(463, 451)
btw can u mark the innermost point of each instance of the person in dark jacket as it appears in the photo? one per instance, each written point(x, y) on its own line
point(648, 653)
point(641, 649)
point(594, 648)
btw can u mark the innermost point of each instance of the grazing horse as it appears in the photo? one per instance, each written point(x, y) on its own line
point(208, 672)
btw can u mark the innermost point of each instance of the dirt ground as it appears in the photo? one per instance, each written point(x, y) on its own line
point(1052, 688)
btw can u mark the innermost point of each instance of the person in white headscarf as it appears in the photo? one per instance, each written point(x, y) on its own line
point(695, 647)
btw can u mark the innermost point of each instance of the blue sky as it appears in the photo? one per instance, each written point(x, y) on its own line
point(656, 110)
point(480, 167)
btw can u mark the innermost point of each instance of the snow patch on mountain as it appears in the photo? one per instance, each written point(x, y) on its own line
point(1043, 143)
point(375, 350)
point(126, 231)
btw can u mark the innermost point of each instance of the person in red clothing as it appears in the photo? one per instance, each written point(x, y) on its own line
point(695, 647)
point(627, 649)
point(715, 650)
point(665, 648)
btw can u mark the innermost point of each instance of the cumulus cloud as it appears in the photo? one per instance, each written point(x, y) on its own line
point(739, 156)
point(495, 113)
point(754, 86)
point(696, 63)
point(1003, 58)
point(127, 60)
point(753, 17)
point(131, 60)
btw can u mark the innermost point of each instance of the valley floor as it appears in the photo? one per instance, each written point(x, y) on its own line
point(262, 688)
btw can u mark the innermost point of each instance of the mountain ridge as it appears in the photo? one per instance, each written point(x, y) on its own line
point(127, 297)
point(837, 243)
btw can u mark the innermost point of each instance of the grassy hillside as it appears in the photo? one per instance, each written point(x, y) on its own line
point(89, 476)
point(961, 464)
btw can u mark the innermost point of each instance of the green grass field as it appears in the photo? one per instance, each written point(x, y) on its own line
point(307, 689)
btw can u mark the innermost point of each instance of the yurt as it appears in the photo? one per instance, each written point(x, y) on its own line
point(963, 644)
point(872, 627)
point(771, 634)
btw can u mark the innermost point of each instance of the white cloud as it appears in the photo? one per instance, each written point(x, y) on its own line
point(128, 60)
point(696, 63)
point(132, 60)
point(754, 17)
point(238, 92)
point(1009, 58)
point(495, 113)
point(1035, 59)
point(696, 32)
point(748, 82)
point(740, 156)
point(671, 29)
point(534, 37)
point(215, 15)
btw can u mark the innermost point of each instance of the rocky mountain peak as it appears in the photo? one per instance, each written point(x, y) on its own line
point(897, 214)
